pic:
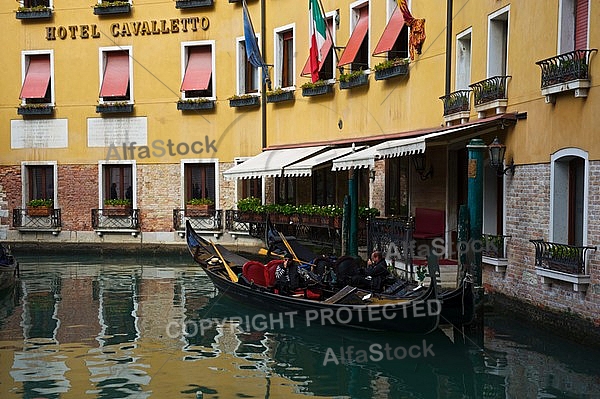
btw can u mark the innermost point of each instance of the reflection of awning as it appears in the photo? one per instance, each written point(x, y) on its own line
point(356, 40)
point(305, 168)
point(116, 74)
point(198, 70)
point(391, 32)
point(37, 77)
point(270, 163)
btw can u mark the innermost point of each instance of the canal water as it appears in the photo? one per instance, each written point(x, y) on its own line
point(154, 327)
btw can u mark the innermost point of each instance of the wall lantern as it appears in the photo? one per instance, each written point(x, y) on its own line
point(497, 151)
point(372, 174)
point(419, 163)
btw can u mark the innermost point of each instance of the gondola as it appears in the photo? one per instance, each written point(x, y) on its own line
point(348, 307)
point(458, 305)
point(9, 268)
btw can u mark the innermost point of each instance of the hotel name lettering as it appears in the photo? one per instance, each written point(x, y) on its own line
point(137, 28)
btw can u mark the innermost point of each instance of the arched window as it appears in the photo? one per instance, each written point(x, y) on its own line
point(569, 196)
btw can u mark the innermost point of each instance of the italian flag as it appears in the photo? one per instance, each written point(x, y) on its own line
point(318, 34)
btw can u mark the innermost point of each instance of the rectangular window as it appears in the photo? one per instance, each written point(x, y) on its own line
point(116, 75)
point(394, 39)
point(117, 181)
point(356, 54)
point(200, 181)
point(37, 85)
point(284, 57)
point(197, 70)
point(39, 182)
point(35, 3)
point(251, 187)
point(463, 61)
point(326, 65)
point(573, 23)
point(248, 75)
point(397, 187)
point(498, 43)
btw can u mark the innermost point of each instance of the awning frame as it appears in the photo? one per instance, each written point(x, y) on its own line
point(37, 77)
point(125, 90)
point(197, 69)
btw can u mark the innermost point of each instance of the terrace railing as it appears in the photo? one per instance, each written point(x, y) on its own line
point(563, 258)
point(127, 219)
point(22, 220)
point(211, 220)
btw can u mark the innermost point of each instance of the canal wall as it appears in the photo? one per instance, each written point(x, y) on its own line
point(4, 223)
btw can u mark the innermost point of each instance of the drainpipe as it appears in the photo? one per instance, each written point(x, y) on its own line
point(263, 101)
point(448, 45)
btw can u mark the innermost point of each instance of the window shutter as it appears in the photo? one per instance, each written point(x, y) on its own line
point(581, 24)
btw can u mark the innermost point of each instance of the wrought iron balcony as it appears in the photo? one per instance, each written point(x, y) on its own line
point(24, 220)
point(490, 89)
point(211, 220)
point(563, 258)
point(456, 102)
point(565, 72)
point(125, 219)
point(238, 222)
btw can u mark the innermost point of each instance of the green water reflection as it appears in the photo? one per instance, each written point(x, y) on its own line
point(155, 327)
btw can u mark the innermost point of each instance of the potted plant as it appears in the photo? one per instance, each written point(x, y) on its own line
point(353, 79)
point(317, 88)
point(199, 206)
point(36, 12)
point(117, 207)
point(243, 100)
point(251, 209)
point(391, 68)
point(279, 95)
point(112, 7)
point(195, 104)
point(40, 207)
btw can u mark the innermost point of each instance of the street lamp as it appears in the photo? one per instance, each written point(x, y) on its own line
point(419, 163)
point(497, 151)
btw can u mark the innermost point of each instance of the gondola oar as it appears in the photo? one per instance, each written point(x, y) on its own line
point(288, 246)
point(230, 272)
point(264, 252)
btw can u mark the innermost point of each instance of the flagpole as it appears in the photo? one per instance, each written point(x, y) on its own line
point(322, 10)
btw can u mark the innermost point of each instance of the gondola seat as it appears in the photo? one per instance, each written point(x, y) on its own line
point(429, 223)
point(255, 272)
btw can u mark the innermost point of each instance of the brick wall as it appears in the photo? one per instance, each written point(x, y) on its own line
point(77, 195)
point(158, 193)
point(528, 216)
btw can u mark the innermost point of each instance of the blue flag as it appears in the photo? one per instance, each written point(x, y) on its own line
point(252, 50)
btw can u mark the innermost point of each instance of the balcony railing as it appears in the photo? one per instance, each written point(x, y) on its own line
point(563, 258)
point(200, 221)
point(23, 221)
point(384, 232)
point(488, 90)
point(565, 67)
point(127, 219)
point(456, 102)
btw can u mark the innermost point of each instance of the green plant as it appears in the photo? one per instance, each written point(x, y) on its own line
point(275, 92)
point(391, 63)
point(113, 104)
point(249, 204)
point(347, 77)
point(200, 201)
point(366, 212)
point(311, 85)
point(194, 100)
point(34, 106)
point(106, 3)
point(240, 97)
point(117, 201)
point(33, 9)
point(40, 203)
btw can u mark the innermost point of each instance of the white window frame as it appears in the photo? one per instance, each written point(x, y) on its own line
point(566, 26)
point(354, 16)
point(240, 49)
point(25, 180)
point(556, 188)
point(101, 65)
point(24, 64)
point(184, 57)
point(214, 161)
point(278, 56)
point(101, 165)
point(493, 46)
point(102, 1)
point(464, 59)
point(50, 3)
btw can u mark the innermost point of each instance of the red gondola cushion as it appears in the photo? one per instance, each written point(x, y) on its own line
point(270, 271)
point(255, 272)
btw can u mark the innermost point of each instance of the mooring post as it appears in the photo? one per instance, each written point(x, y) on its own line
point(476, 149)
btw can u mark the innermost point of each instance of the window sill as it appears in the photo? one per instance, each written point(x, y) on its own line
point(124, 9)
point(498, 105)
point(38, 14)
point(462, 116)
point(499, 264)
point(580, 281)
point(182, 4)
point(579, 87)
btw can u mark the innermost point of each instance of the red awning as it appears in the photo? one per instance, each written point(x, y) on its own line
point(324, 50)
point(390, 33)
point(116, 74)
point(198, 70)
point(358, 35)
point(37, 77)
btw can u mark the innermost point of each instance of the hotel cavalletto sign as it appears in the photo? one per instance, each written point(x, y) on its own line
point(135, 28)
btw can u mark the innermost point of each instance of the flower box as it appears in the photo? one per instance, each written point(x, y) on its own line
point(112, 9)
point(179, 4)
point(35, 14)
point(114, 108)
point(393, 71)
point(39, 211)
point(244, 101)
point(356, 81)
point(195, 105)
point(35, 110)
point(279, 97)
point(317, 90)
point(195, 210)
point(117, 210)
